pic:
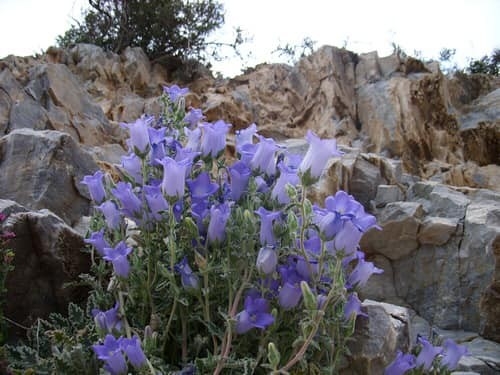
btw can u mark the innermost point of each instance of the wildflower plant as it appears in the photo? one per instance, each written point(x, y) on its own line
point(205, 263)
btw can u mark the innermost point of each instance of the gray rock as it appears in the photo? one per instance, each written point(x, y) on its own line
point(377, 338)
point(400, 222)
point(437, 230)
point(47, 256)
point(388, 194)
point(43, 169)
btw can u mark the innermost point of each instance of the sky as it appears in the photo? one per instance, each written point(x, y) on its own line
point(472, 27)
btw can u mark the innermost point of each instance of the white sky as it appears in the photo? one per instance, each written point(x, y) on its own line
point(472, 27)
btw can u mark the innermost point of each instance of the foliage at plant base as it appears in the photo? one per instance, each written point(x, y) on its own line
point(208, 264)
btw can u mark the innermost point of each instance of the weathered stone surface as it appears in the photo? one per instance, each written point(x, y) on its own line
point(400, 222)
point(137, 69)
point(437, 230)
point(378, 338)
point(388, 194)
point(480, 130)
point(43, 169)
point(69, 107)
point(47, 255)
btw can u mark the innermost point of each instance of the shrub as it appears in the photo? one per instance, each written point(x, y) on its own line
point(175, 28)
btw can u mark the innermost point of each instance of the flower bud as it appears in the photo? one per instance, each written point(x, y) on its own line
point(309, 298)
point(273, 355)
point(267, 260)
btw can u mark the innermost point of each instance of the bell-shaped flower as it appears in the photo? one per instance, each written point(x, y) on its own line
point(130, 204)
point(131, 163)
point(287, 176)
point(290, 292)
point(317, 155)
point(111, 214)
point(219, 215)
point(110, 352)
point(98, 241)
point(193, 139)
point(245, 136)
point(267, 218)
point(401, 364)
point(175, 92)
point(254, 315)
point(189, 279)
point(139, 134)
point(193, 117)
point(353, 307)
point(239, 174)
point(329, 223)
point(347, 238)
point(133, 350)
point(247, 152)
point(213, 138)
point(95, 185)
point(427, 353)
point(109, 320)
point(174, 176)
point(202, 186)
point(452, 352)
point(264, 159)
point(118, 257)
point(157, 203)
point(267, 259)
point(361, 273)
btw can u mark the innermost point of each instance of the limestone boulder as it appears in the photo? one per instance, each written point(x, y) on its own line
point(43, 169)
point(47, 255)
point(378, 337)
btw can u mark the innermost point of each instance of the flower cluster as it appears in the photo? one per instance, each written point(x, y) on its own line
point(429, 358)
point(222, 255)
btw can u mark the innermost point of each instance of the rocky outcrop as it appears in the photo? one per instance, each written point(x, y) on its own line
point(421, 153)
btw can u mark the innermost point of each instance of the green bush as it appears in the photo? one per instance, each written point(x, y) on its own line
point(161, 28)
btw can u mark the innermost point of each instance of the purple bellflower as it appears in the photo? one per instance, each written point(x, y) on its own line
point(189, 279)
point(452, 354)
point(202, 187)
point(254, 315)
point(347, 239)
point(287, 176)
point(98, 241)
point(290, 293)
point(133, 350)
point(353, 307)
point(245, 136)
point(240, 176)
point(219, 215)
point(361, 273)
point(317, 155)
point(131, 205)
point(267, 218)
point(139, 134)
point(174, 176)
point(427, 353)
point(213, 138)
point(108, 320)
point(193, 139)
point(401, 364)
point(193, 117)
point(118, 257)
point(157, 203)
point(110, 352)
point(264, 159)
point(174, 92)
point(111, 214)
point(133, 166)
point(95, 185)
